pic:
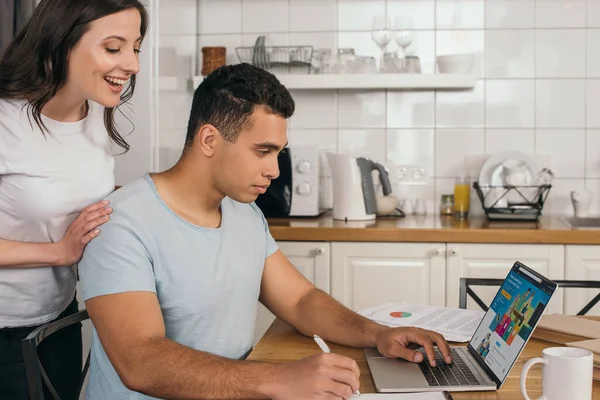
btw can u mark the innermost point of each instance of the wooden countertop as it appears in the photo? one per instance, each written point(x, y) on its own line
point(430, 228)
point(282, 344)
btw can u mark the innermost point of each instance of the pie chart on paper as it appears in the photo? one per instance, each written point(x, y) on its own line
point(400, 314)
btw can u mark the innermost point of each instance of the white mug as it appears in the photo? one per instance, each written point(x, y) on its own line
point(566, 374)
point(582, 200)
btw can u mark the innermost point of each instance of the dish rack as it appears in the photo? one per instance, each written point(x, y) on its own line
point(528, 208)
point(296, 59)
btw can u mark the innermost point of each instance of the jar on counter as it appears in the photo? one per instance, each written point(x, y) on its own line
point(447, 204)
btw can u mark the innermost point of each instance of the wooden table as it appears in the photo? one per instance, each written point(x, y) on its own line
point(282, 344)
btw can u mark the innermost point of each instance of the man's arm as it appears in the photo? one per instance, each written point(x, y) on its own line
point(131, 329)
point(290, 296)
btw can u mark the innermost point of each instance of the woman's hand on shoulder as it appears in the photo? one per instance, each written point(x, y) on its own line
point(81, 232)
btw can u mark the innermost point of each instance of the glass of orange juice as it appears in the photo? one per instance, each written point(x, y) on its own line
point(462, 197)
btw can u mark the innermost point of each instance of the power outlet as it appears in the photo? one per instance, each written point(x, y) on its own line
point(408, 175)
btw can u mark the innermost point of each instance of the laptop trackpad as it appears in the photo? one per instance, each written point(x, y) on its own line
point(389, 373)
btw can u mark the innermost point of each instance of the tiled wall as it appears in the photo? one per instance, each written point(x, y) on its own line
point(538, 89)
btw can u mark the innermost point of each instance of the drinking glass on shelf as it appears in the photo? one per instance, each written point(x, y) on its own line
point(381, 33)
point(404, 33)
point(462, 197)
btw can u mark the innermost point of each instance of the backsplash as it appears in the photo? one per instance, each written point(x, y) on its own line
point(538, 86)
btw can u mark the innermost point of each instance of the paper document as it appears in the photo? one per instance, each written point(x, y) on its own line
point(455, 324)
point(404, 396)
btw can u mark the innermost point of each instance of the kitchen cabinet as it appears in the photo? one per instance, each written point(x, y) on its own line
point(494, 261)
point(581, 263)
point(312, 260)
point(367, 274)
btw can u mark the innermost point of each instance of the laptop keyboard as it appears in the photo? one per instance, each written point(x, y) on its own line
point(455, 374)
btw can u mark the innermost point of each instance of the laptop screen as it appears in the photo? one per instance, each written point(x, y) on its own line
point(510, 320)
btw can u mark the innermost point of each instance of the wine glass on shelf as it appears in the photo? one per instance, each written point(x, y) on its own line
point(381, 33)
point(404, 34)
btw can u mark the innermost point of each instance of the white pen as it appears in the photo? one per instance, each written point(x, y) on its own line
point(326, 349)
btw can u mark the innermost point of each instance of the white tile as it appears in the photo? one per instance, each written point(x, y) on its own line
point(510, 14)
point(510, 53)
point(219, 16)
point(451, 148)
point(593, 103)
point(174, 110)
point(593, 13)
point(314, 110)
point(177, 17)
point(593, 185)
point(318, 40)
point(357, 15)
point(407, 109)
point(414, 192)
point(326, 138)
point(363, 143)
point(313, 15)
point(593, 52)
point(421, 11)
point(361, 109)
point(592, 153)
point(566, 149)
point(265, 16)
point(592, 144)
point(177, 55)
point(411, 147)
point(422, 46)
point(559, 198)
point(231, 42)
point(271, 39)
point(510, 103)
point(466, 14)
point(500, 140)
point(560, 53)
point(561, 13)
point(560, 103)
point(463, 41)
point(361, 42)
point(462, 109)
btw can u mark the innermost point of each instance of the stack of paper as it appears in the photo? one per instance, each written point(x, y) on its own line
point(455, 324)
point(562, 329)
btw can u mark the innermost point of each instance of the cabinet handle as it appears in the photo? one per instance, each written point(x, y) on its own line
point(453, 252)
point(320, 250)
point(438, 252)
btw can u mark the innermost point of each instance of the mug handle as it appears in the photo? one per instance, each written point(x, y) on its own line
point(526, 368)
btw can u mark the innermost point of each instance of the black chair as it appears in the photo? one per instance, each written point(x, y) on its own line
point(33, 367)
point(466, 283)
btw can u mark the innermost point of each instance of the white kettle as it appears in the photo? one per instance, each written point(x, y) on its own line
point(354, 196)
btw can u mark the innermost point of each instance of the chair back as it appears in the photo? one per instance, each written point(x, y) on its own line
point(34, 369)
point(466, 291)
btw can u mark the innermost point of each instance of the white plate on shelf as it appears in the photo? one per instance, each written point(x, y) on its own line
point(491, 175)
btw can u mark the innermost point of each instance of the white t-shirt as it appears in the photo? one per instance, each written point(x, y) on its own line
point(45, 182)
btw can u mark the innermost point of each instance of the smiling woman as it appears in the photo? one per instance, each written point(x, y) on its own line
point(61, 80)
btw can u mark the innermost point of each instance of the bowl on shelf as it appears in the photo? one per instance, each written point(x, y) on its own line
point(455, 63)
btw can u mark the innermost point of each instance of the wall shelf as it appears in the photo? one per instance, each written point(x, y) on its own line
point(372, 81)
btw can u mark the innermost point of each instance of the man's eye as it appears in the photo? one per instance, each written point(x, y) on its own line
point(263, 153)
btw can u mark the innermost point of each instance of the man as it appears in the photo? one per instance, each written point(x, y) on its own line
point(172, 283)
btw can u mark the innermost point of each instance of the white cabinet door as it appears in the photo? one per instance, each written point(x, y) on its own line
point(312, 260)
point(582, 263)
point(494, 261)
point(367, 274)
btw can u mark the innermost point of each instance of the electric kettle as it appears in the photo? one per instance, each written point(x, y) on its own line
point(354, 196)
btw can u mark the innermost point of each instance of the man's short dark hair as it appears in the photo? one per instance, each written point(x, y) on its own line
point(227, 97)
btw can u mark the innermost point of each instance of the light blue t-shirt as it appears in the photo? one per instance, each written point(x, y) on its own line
point(207, 280)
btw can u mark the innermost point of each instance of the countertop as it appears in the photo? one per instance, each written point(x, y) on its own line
point(430, 228)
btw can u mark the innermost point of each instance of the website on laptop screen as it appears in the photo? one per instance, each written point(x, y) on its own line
point(508, 323)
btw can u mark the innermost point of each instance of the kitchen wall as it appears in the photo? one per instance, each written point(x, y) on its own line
point(538, 87)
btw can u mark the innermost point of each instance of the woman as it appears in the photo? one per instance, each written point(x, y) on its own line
point(60, 81)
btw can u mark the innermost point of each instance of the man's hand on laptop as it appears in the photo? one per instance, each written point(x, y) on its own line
point(396, 343)
point(325, 375)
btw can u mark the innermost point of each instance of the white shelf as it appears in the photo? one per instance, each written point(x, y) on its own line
point(168, 82)
point(372, 81)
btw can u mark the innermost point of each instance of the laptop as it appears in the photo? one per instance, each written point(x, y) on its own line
point(492, 351)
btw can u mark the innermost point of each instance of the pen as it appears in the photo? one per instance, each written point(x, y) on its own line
point(321, 343)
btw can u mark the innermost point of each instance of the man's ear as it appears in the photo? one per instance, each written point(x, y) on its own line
point(207, 138)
